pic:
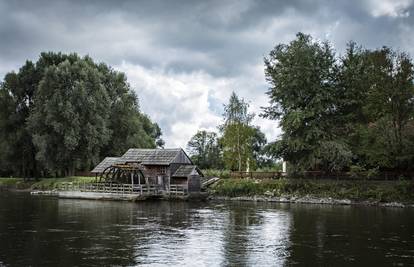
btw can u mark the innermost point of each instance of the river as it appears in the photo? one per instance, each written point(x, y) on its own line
point(46, 231)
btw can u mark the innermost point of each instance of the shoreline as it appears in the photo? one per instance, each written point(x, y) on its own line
point(359, 193)
point(329, 192)
point(312, 201)
point(309, 200)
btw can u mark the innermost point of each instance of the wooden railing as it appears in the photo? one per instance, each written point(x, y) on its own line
point(384, 175)
point(257, 175)
point(112, 188)
point(178, 190)
point(123, 188)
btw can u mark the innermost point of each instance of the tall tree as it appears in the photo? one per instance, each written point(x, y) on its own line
point(69, 121)
point(376, 106)
point(16, 100)
point(65, 113)
point(205, 150)
point(336, 112)
point(259, 142)
point(390, 108)
point(129, 127)
point(303, 96)
point(237, 135)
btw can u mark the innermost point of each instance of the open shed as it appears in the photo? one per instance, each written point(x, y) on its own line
point(188, 175)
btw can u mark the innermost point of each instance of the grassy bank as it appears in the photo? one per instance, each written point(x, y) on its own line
point(379, 191)
point(42, 184)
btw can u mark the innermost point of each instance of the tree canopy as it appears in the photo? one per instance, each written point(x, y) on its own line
point(337, 112)
point(65, 113)
point(204, 148)
point(238, 146)
point(237, 135)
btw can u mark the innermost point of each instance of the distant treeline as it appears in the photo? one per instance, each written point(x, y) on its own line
point(349, 113)
point(64, 113)
point(341, 113)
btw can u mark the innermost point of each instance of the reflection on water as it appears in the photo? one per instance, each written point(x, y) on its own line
point(42, 231)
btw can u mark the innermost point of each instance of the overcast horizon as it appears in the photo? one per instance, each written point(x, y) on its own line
point(192, 55)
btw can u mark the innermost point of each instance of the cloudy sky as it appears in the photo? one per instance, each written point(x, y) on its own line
point(184, 58)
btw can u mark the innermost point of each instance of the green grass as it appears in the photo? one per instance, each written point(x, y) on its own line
point(43, 183)
point(52, 183)
point(382, 191)
point(10, 181)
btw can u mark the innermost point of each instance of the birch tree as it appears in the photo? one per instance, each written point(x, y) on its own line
point(237, 135)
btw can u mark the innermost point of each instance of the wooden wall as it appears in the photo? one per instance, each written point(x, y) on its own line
point(194, 183)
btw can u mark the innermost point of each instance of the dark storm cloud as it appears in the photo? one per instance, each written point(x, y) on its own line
point(193, 44)
point(217, 36)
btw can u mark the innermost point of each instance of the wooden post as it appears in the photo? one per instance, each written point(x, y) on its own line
point(139, 178)
point(132, 181)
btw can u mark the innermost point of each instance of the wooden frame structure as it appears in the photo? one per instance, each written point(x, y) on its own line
point(169, 170)
point(123, 173)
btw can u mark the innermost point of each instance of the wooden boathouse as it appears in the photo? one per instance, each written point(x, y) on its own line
point(142, 173)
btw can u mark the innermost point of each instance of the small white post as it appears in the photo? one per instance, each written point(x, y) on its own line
point(284, 166)
point(248, 165)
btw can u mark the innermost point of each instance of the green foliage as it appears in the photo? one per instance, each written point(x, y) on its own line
point(69, 120)
point(16, 99)
point(65, 113)
point(55, 183)
point(356, 171)
point(273, 167)
point(205, 150)
point(43, 183)
point(380, 132)
point(259, 143)
point(402, 191)
point(10, 181)
point(241, 145)
point(302, 96)
point(237, 135)
point(336, 112)
point(334, 156)
point(224, 174)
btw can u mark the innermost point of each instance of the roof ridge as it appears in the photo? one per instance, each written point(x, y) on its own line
point(157, 149)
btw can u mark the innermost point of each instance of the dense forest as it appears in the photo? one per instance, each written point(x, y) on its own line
point(64, 113)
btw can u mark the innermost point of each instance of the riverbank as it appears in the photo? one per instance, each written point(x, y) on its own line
point(43, 184)
point(378, 193)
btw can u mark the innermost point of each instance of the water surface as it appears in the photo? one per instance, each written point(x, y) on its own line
point(45, 231)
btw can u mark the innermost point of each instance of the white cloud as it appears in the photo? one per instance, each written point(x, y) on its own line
point(178, 102)
point(183, 103)
point(185, 60)
point(230, 11)
point(391, 8)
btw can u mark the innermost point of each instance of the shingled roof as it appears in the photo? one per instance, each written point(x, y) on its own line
point(156, 156)
point(108, 161)
point(186, 170)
